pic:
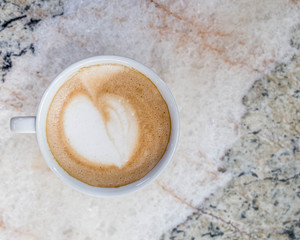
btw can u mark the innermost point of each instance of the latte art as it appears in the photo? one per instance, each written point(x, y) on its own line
point(111, 141)
point(108, 125)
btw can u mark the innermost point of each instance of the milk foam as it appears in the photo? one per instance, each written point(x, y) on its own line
point(108, 142)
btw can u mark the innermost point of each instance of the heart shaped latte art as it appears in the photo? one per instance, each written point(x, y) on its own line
point(107, 136)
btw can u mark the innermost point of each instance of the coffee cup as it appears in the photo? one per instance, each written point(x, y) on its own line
point(106, 126)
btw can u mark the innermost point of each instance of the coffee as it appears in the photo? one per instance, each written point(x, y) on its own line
point(108, 125)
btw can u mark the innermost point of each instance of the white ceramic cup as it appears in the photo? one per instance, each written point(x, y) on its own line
point(38, 125)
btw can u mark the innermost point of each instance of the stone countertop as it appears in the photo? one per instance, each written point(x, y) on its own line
point(263, 199)
point(18, 21)
point(262, 202)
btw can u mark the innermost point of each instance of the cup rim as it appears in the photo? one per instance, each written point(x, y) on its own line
point(75, 183)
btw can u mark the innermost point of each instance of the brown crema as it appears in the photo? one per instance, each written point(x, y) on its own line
point(151, 112)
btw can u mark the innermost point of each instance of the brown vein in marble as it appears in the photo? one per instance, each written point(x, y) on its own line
point(17, 231)
point(15, 96)
point(204, 34)
point(198, 165)
point(17, 108)
point(71, 36)
point(175, 15)
point(236, 126)
point(175, 196)
point(229, 223)
point(12, 92)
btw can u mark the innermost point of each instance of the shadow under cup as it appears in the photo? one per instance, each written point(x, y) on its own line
point(45, 103)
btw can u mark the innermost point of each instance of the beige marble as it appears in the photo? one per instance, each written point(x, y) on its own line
point(263, 199)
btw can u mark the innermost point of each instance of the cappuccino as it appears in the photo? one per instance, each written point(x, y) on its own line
point(108, 125)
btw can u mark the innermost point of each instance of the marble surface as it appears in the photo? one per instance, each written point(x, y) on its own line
point(18, 20)
point(263, 199)
point(262, 202)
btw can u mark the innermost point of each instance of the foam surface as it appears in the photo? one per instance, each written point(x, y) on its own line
point(110, 144)
point(208, 52)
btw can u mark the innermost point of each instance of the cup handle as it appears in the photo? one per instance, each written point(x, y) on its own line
point(23, 124)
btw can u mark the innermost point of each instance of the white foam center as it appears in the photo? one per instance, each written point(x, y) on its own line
point(111, 142)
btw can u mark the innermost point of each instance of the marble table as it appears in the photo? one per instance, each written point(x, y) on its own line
point(261, 202)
